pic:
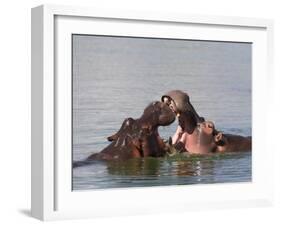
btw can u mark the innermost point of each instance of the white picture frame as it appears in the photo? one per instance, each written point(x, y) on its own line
point(52, 197)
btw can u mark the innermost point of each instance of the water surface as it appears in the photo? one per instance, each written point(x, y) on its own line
point(115, 78)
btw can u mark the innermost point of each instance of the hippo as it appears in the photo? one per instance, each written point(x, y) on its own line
point(205, 139)
point(139, 138)
point(197, 136)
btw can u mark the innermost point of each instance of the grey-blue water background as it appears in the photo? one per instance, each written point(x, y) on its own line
point(117, 77)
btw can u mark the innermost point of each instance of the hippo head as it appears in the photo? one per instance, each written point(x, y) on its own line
point(208, 135)
point(179, 102)
point(207, 138)
point(203, 139)
point(158, 114)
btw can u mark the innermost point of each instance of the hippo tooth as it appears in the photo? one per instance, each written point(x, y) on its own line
point(117, 143)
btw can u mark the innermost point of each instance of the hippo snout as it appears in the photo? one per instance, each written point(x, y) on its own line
point(167, 115)
point(179, 102)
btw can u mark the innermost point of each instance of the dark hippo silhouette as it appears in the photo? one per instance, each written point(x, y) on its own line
point(139, 137)
point(197, 136)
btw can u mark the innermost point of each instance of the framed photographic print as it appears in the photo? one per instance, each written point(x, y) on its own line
point(137, 112)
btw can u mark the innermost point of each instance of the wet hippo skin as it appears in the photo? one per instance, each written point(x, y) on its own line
point(139, 138)
point(232, 143)
point(203, 138)
point(197, 136)
point(179, 102)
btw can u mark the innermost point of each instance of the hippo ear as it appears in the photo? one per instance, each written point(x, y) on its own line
point(112, 137)
point(127, 123)
point(218, 137)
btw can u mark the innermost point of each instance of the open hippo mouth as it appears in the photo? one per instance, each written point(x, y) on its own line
point(179, 103)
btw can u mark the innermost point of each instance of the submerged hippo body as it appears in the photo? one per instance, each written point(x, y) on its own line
point(139, 137)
